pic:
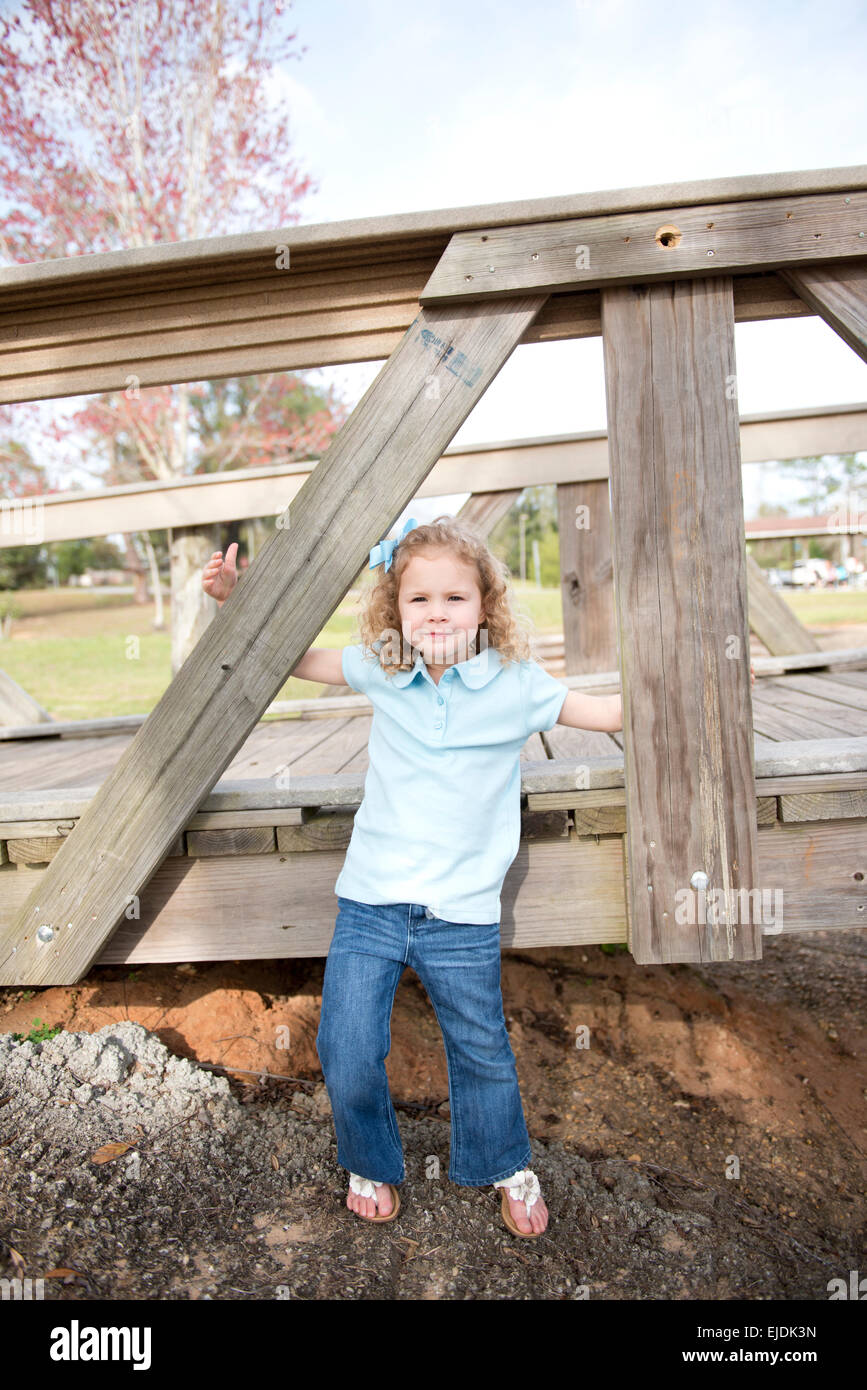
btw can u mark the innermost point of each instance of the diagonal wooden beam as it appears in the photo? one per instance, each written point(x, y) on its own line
point(485, 509)
point(648, 246)
point(772, 619)
point(17, 706)
point(681, 603)
point(838, 294)
point(442, 366)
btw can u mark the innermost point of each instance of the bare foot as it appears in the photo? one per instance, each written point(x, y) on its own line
point(538, 1218)
point(367, 1206)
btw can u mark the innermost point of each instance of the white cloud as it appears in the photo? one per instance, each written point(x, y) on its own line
point(311, 120)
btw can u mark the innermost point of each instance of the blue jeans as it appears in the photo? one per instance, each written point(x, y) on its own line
point(459, 966)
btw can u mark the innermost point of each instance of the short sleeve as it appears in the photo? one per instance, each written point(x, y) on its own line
point(357, 668)
point(542, 697)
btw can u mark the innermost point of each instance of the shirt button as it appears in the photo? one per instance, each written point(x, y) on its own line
point(438, 724)
point(440, 700)
point(427, 912)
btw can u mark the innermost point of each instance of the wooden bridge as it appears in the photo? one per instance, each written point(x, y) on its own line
point(714, 818)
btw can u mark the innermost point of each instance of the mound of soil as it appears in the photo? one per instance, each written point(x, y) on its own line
point(709, 1143)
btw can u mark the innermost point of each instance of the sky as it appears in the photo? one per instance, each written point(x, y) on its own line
point(401, 106)
point(405, 107)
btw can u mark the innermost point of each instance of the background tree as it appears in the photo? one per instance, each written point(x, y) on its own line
point(832, 480)
point(23, 567)
point(771, 554)
point(20, 474)
point(538, 504)
point(835, 484)
point(132, 122)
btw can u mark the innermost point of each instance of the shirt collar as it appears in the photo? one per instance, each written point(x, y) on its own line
point(475, 672)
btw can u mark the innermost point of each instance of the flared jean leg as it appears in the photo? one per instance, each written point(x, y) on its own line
point(353, 1041)
point(459, 966)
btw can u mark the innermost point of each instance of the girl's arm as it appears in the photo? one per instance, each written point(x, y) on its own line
point(322, 664)
point(599, 712)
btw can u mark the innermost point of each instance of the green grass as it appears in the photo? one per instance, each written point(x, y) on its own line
point(828, 606)
point(71, 649)
point(40, 1032)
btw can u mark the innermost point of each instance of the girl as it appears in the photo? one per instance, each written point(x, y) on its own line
point(455, 695)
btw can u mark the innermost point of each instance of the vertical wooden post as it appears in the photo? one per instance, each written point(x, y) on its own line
point(586, 580)
point(681, 601)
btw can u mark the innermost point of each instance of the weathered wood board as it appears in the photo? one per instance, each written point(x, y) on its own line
point(630, 248)
point(559, 891)
point(681, 600)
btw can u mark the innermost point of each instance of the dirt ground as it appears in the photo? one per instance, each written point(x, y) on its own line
point(691, 1070)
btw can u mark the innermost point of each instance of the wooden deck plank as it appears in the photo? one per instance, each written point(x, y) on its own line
point(801, 766)
point(783, 725)
point(580, 743)
point(60, 763)
point(851, 678)
point(339, 745)
point(826, 685)
point(820, 713)
point(71, 762)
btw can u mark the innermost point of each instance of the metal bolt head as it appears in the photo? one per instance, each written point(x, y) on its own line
point(45, 933)
point(699, 880)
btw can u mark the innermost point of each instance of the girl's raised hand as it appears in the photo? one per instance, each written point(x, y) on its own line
point(219, 576)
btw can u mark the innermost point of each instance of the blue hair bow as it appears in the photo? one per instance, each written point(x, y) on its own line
point(385, 549)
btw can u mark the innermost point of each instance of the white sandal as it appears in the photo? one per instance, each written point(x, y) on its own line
point(522, 1186)
point(365, 1188)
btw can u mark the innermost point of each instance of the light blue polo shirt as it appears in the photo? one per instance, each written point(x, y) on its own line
point(440, 821)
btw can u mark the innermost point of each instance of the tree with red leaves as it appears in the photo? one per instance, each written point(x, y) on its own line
point(130, 122)
point(126, 123)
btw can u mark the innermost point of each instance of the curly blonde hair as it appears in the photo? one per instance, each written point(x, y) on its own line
point(509, 628)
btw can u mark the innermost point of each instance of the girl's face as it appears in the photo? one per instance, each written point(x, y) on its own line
point(440, 605)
